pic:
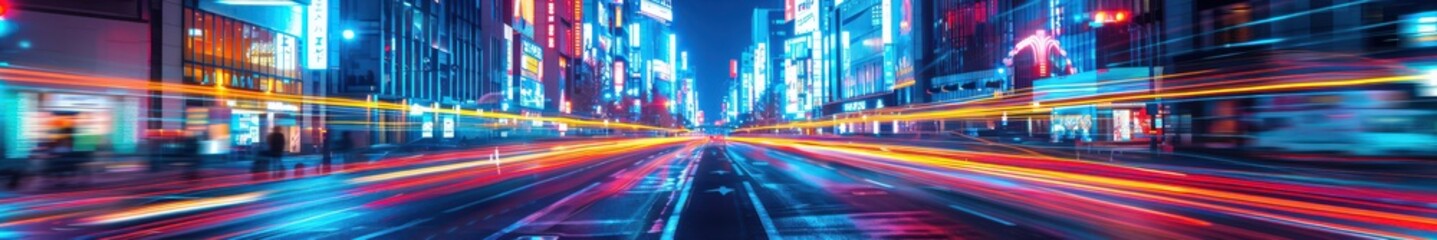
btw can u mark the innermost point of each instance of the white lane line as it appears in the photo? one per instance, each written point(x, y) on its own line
point(877, 183)
point(970, 211)
point(393, 229)
point(763, 217)
point(672, 225)
point(733, 162)
point(533, 217)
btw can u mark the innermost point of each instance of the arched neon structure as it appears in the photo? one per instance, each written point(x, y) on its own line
point(1041, 44)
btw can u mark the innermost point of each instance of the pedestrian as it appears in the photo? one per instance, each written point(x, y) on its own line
point(190, 155)
point(275, 152)
point(344, 146)
point(12, 172)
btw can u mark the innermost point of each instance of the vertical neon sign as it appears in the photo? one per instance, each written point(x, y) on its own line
point(318, 35)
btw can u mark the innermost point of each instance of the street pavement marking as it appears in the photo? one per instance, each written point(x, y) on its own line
point(768, 227)
point(877, 183)
point(722, 190)
point(672, 226)
point(532, 217)
point(970, 211)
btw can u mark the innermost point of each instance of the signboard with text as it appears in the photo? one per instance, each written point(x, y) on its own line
point(317, 35)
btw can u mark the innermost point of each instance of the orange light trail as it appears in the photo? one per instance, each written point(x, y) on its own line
point(1198, 191)
point(1046, 107)
point(40, 77)
point(173, 207)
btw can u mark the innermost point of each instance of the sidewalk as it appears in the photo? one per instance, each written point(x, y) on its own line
point(126, 170)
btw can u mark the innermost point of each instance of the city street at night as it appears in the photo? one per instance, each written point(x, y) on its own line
point(709, 119)
point(750, 188)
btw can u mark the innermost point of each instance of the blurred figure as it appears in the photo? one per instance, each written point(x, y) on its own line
point(327, 155)
point(345, 146)
point(189, 155)
point(268, 163)
point(61, 157)
point(277, 143)
point(12, 173)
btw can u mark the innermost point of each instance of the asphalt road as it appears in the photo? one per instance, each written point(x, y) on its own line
point(741, 188)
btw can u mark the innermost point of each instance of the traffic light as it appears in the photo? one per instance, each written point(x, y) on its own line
point(3, 8)
point(1107, 17)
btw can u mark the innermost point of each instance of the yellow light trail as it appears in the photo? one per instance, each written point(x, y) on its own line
point(581, 149)
point(173, 207)
point(1046, 107)
point(1102, 182)
point(1025, 92)
point(30, 76)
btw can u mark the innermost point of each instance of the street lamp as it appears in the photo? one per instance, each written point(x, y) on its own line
point(348, 34)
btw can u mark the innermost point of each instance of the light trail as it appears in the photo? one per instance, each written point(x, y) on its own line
point(1026, 108)
point(1283, 203)
point(173, 207)
point(219, 92)
point(574, 152)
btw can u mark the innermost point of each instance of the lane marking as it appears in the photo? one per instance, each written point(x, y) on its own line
point(877, 183)
point(671, 227)
point(763, 217)
point(970, 211)
point(533, 217)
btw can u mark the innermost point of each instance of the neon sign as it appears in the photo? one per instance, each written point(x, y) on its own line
point(318, 35)
point(657, 9)
point(1041, 44)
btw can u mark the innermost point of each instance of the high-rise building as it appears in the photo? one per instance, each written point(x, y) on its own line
point(430, 56)
point(771, 29)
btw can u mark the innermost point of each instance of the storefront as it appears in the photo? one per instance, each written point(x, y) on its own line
point(251, 69)
point(111, 45)
point(1107, 122)
point(96, 122)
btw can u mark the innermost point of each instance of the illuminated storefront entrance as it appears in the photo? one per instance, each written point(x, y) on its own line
point(251, 70)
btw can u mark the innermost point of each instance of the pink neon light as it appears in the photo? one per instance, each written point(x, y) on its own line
point(1041, 44)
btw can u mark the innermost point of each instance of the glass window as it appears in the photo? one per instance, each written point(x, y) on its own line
point(222, 59)
point(189, 24)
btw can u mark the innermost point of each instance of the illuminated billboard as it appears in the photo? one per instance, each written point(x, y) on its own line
point(788, 10)
point(531, 60)
point(805, 19)
point(658, 9)
point(524, 17)
point(620, 74)
point(287, 52)
point(661, 70)
point(1419, 30)
point(317, 35)
point(531, 89)
point(733, 68)
point(531, 93)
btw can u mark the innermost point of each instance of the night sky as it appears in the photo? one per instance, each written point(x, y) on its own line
point(715, 31)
